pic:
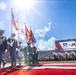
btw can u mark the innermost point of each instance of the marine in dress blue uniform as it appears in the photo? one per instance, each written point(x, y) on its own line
point(34, 54)
point(12, 43)
point(19, 53)
point(28, 54)
point(3, 43)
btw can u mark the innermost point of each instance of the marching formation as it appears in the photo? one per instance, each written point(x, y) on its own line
point(16, 50)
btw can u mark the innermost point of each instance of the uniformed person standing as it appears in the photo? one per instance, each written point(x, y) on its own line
point(12, 43)
point(28, 53)
point(19, 53)
point(3, 43)
point(34, 54)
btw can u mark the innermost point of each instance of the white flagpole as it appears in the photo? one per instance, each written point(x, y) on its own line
point(18, 30)
point(27, 46)
point(11, 20)
point(25, 33)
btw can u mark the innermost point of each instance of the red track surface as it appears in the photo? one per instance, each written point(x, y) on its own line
point(46, 71)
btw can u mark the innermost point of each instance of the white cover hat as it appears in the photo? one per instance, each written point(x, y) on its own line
point(2, 27)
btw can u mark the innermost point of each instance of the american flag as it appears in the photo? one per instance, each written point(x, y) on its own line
point(14, 22)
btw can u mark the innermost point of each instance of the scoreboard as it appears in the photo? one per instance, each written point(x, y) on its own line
point(65, 44)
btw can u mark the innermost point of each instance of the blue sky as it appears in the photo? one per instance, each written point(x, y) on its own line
point(50, 20)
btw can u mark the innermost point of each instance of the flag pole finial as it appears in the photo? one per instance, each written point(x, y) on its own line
point(25, 23)
point(30, 27)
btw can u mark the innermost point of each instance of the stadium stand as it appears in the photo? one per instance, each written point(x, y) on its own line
point(50, 55)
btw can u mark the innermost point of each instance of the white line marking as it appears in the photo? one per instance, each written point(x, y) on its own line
point(47, 67)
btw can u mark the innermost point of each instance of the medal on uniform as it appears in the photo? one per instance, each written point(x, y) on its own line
point(11, 44)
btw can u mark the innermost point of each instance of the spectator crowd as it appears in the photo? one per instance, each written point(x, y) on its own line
point(55, 55)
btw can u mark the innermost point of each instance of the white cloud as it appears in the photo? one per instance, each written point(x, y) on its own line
point(46, 45)
point(3, 5)
point(7, 16)
point(1, 23)
point(43, 31)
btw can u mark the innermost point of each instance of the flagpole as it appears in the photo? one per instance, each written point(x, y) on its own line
point(30, 34)
point(11, 20)
point(25, 32)
point(18, 30)
point(26, 43)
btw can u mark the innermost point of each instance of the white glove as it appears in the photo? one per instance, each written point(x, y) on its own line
point(27, 53)
point(5, 50)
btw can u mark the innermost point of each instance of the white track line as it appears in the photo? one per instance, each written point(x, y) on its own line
point(47, 67)
point(61, 64)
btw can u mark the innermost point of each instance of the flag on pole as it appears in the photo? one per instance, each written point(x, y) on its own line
point(14, 21)
point(21, 34)
point(33, 40)
point(27, 33)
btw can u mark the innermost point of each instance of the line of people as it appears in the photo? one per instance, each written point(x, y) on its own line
point(30, 54)
point(65, 55)
point(57, 56)
point(16, 50)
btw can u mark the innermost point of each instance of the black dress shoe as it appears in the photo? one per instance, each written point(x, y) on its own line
point(4, 64)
